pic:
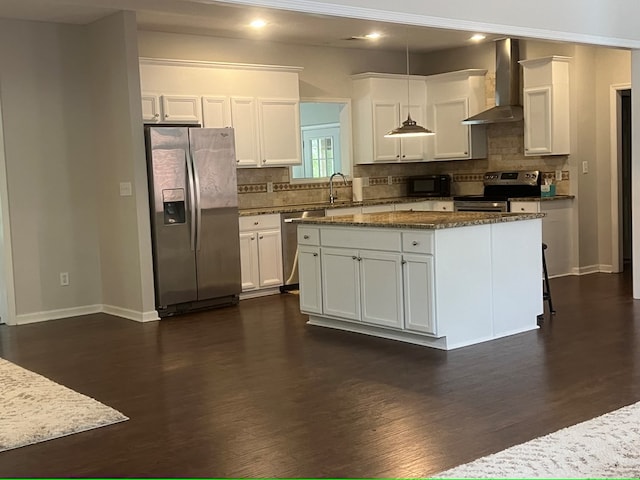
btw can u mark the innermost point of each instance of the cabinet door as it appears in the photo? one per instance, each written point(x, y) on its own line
point(270, 258)
point(280, 132)
point(385, 118)
point(249, 261)
point(340, 283)
point(216, 112)
point(381, 288)
point(310, 279)
point(412, 148)
point(150, 108)
point(181, 108)
point(452, 137)
point(418, 293)
point(243, 119)
point(537, 121)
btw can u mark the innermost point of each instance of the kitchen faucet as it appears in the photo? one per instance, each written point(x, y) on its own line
point(332, 197)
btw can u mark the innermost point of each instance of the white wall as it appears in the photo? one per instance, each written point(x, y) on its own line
point(50, 166)
point(326, 70)
point(125, 238)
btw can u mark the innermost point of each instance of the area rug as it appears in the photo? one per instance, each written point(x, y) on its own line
point(606, 446)
point(34, 409)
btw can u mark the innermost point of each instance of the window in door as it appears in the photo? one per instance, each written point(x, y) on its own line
point(320, 152)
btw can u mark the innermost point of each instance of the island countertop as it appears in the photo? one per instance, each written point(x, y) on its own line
point(419, 220)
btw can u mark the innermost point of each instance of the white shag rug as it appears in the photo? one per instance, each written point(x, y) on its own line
point(34, 409)
point(606, 446)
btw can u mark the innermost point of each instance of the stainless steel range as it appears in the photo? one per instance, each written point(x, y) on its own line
point(499, 187)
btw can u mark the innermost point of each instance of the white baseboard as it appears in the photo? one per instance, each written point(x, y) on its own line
point(131, 314)
point(57, 314)
point(589, 269)
point(87, 310)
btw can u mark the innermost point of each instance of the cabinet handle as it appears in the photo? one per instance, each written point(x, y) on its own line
point(403, 156)
point(444, 208)
point(466, 153)
point(306, 237)
point(252, 237)
point(359, 259)
point(315, 254)
point(156, 115)
point(414, 243)
point(403, 262)
point(238, 161)
point(166, 115)
point(354, 258)
point(255, 223)
point(522, 209)
point(264, 160)
point(261, 237)
point(397, 156)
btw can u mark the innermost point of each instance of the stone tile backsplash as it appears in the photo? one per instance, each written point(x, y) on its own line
point(263, 187)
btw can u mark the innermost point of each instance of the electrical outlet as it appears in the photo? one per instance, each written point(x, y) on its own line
point(269, 187)
point(558, 175)
point(390, 180)
point(64, 278)
point(585, 167)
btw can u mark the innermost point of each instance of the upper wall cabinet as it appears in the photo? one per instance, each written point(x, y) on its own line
point(546, 106)
point(451, 98)
point(381, 103)
point(260, 102)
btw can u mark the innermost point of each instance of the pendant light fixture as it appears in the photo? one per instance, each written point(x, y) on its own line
point(409, 127)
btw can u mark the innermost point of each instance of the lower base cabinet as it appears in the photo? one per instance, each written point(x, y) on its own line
point(260, 252)
point(310, 279)
point(418, 276)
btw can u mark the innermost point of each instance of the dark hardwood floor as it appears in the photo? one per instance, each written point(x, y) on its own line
point(251, 391)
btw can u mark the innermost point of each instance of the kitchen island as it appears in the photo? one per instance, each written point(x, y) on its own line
point(439, 279)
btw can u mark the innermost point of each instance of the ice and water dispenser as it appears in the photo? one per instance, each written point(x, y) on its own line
point(174, 207)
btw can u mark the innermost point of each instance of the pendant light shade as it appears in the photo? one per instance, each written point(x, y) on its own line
point(409, 127)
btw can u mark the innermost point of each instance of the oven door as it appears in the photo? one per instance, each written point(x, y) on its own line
point(480, 206)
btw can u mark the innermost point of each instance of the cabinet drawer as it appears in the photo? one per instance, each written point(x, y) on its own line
point(417, 242)
point(308, 235)
point(525, 207)
point(442, 206)
point(258, 222)
point(333, 212)
point(362, 238)
point(377, 208)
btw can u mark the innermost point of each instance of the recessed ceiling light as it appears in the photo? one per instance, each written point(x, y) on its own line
point(258, 23)
point(477, 37)
point(373, 36)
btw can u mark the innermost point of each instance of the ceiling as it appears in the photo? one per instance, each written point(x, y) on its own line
point(232, 21)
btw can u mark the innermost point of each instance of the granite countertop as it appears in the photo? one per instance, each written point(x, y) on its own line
point(343, 204)
point(419, 220)
point(379, 201)
point(542, 199)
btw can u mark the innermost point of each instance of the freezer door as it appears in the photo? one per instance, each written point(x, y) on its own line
point(218, 236)
point(171, 219)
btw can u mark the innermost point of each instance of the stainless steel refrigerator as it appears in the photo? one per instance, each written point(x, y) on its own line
point(194, 217)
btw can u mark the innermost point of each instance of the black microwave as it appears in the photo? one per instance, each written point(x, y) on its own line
point(429, 186)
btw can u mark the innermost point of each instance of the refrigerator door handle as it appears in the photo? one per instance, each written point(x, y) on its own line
point(198, 210)
point(192, 200)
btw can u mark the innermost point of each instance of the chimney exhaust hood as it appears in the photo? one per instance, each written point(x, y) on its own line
point(508, 108)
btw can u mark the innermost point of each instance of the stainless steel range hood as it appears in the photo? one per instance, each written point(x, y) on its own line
point(508, 108)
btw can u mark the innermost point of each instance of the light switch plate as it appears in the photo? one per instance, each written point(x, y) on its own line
point(269, 187)
point(125, 189)
point(585, 167)
point(558, 175)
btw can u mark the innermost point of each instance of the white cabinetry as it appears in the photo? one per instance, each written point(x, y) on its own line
point(546, 106)
point(380, 104)
point(557, 232)
point(261, 103)
point(363, 285)
point(426, 206)
point(260, 254)
point(451, 98)
point(418, 293)
point(309, 271)
point(170, 108)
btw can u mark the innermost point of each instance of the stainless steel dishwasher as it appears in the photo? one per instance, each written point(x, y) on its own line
point(289, 232)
